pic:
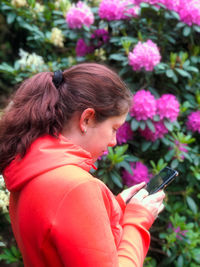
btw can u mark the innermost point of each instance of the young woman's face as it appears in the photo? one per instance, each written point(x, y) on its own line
point(102, 135)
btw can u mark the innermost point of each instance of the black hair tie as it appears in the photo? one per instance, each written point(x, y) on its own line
point(57, 78)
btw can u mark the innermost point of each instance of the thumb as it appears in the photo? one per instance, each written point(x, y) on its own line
point(141, 194)
point(130, 192)
point(134, 189)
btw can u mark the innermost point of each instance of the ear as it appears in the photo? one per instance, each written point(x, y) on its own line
point(87, 119)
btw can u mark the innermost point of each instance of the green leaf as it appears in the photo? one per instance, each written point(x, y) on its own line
point(156, 144)
point(120, 150)
point(116, 179)
point(11, 17)
point(161, 164)
point(186, 31)
point(134, 124)
point(196, 28)
point(110, 150)
point(142, 125)
point(197, 175)
point(165, 141)
point(132, 158)
point(192, 205)
point(168, 125)
point(4, 67)
point(183, 73)
point(169, 154)
point(175, 78)
point(118, 57)
point(170, 73)
point(145, 146)
point(196, 254)
point(31, 3)
point(150, 125)
point(192, 69)
point(156, 118)
point(174, 163)
point(180, 261)
point(126, 166)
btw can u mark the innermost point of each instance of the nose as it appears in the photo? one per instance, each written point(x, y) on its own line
point(113, 142)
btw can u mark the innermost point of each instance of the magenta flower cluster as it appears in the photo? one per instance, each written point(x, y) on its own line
point(172, 5)
point(98, 38)
point(160, 131)
point(139, 174)
point(145, 106)
point(124, 133)
point(193, 122)
point(144, 55)
point(188, 10)
point(117, 10)
point(82, 48)
point(168, 107)
point(79, 15)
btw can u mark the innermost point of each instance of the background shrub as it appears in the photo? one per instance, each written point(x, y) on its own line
point(154, 46)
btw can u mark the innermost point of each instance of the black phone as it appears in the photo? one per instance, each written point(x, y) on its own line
point(161, 180)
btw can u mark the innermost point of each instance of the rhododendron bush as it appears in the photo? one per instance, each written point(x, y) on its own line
point(154, 46)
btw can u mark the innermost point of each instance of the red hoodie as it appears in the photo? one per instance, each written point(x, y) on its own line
point(62, 216)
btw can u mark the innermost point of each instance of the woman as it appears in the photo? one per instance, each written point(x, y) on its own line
point(55, 129)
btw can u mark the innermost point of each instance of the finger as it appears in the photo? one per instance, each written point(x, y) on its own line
point(140, 195)
point(157, 196)
point(137, 187)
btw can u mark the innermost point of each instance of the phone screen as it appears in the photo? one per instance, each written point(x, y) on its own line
point(160, 180)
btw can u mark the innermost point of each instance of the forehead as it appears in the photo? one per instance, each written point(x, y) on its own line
point(118, 120)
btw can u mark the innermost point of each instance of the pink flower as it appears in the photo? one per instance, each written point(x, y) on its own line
point(160, 131)
point(105, 153)
point(83, 49)
point(193, 122)
point(79, 15)
point(179, 234)
point(190, 12)
point(99, 37)
point(152, 2)
point(172, 5)
point(140, 174)
point(124, 133)
point(145, 55)
point(116, 10)
point(180, 147)
point(130, 10)
point(168, 107)
point(143, 105)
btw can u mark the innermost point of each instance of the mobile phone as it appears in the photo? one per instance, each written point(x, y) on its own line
point(161, 180)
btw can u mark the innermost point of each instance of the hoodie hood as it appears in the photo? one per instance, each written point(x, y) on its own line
point(45, 153)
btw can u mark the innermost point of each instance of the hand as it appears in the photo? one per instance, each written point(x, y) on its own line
point(154, 202)
point(128, 193)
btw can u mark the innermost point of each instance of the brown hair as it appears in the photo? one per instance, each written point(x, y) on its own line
point(39, 108)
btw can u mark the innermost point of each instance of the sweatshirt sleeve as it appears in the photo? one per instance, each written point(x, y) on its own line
point(82, 233)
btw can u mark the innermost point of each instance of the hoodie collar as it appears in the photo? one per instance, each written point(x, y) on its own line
point(45, 153)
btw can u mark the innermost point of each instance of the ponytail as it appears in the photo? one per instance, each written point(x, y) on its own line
point(33, 112)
